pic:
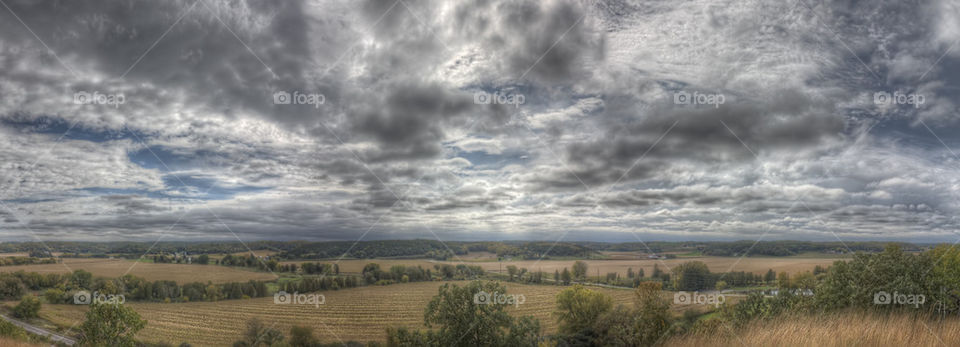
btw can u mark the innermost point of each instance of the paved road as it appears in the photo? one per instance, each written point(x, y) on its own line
point(40, 331)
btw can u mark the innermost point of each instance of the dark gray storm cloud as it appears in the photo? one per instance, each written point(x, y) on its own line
point(478, 119)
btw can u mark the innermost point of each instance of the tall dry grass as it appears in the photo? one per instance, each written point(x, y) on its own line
point(836, 329)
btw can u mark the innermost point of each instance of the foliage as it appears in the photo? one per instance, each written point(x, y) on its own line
point(110, 325)
point(11, 287)
point(855, 283)
point(302, 336)
point(460, 321)
point(257, 334)
point(55, 296)
point(694, 275)
point(578, 308)
point(28, 307)
point(10, 330)
point(579, 269)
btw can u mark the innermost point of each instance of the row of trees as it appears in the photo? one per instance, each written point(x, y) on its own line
point(31, 260)
point(59, 288)
point(585, 318)
point(312, 284)
point(373, 274)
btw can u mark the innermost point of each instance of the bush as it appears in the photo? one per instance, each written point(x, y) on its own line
point(455, 319)
point(110, 325)
point(578, 308)
point(11, 287)
point(28, 307)
point(7, 329)
point(694, 275)
point(55, 296)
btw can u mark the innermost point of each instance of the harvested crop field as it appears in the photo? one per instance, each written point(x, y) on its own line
point(359, 314)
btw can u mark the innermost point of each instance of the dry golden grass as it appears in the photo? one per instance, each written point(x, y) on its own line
point(359, 314)
point(181, 273)
point(840, 329)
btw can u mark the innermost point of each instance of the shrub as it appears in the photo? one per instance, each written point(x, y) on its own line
point(28, 307)
point(578, 308)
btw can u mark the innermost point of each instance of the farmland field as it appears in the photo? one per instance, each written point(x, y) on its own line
point(757, 265)
point(360, 314)
point(181, 273)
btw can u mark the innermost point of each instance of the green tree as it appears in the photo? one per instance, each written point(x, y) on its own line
point(783, 280)
point(804, 280)
point(302, 336)
point(82, 279)
point(512, 271)
point(259, 335)
point(54, 296)
point(11, 287)
point(578, 308)
point(856, 282)
point(653, 316)
point(110, 325)
point(694, 275)
point(770, 277)
point(28, 307)
point(203, 259)
point(456, 319)
point(579, 270)
point(565, 276)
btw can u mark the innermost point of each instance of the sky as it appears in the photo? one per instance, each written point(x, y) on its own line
point(479, 120)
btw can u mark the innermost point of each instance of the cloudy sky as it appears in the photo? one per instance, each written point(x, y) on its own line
point(465, 120)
